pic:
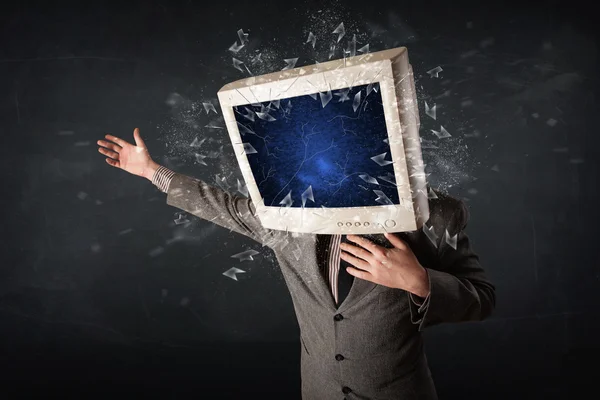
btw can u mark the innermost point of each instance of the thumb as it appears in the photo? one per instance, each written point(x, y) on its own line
point(138, 139)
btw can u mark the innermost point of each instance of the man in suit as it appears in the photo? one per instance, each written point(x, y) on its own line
point(360, 311)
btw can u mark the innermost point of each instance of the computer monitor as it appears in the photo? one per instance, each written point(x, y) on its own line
point(331, 148)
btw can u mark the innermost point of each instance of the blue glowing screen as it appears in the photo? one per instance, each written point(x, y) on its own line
point(315, 150)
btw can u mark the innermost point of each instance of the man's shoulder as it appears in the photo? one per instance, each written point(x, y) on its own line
point(446, 209)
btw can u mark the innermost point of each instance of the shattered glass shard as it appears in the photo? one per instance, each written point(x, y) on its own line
point(291, 63)
point(288, 107)
point(287, 200)
point(451, 240)
point(389, 178)
point(200, 159)
point(221, 181)
point(356, 102)
point(243, 36)
point(244, 129)
point(364, 49)
point(351, 51)
point(430, 111)
point(343, 95)
point(231, 273)
point(235, 47)
point(248, 149)
point(197, 143)
point(308, 194)
point(340, 31)
point(369, 88)
point(430, 233)
point(382, 198)
point(311, 39)
point(237, 64)
point(431, 194)
point(313, 95)
point(297, 254)
point(331, 51)
point(256, 59)
point(379, 159)
point(369, 179)
point(249, 114)
point(495, 168)
point(325, 97)
point(243, 189)
point(265, 116)
point(443, 133)
point(181, 219)
point(276, 103)
point(433, 73)
point(214, 124)
point(246, 255)
point(209, 107)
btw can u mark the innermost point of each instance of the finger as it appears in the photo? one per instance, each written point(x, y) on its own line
point(114, 163)
point(138, 139)
point(109, 153)
point(396, 241)
point(117, 140)
point(357, 251)
point(376, 250)
point(112, 146)
point(361, 274)
point(357, 262)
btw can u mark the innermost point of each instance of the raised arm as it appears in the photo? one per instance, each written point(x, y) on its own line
point(213, 204)
point(189, 194)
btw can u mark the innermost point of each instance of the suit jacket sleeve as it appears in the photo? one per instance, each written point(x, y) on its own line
point(459, 289)
point(230, 211)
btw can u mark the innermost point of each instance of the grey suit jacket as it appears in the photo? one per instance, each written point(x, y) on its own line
point(376, 332)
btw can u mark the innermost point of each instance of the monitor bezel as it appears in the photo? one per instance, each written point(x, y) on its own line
point(391, 69)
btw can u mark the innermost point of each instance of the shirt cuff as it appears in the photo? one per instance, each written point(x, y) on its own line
point(162, 178)
point(420, 302)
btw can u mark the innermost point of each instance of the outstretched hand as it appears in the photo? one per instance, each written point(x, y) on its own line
point(394, 268)
point(121, 154)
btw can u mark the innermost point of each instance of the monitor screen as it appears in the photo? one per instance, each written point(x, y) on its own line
point(327, 149)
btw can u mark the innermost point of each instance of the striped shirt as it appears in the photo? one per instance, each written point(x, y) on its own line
point(162, 178)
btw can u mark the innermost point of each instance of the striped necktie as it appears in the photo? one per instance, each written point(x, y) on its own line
point(345, 280)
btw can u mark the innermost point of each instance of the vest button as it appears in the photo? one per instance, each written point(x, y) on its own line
point(339, 357)
point(346, 390)
point(338, 317)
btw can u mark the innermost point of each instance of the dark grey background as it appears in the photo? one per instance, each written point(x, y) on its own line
point(102, 293)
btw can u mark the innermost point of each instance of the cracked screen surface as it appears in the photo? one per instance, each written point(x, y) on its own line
point(325, 149)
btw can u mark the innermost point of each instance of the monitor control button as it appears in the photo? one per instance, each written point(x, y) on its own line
point(340, 224)
point(348, 223)
point(357, 224)
point(390, 223)
point(366, 224)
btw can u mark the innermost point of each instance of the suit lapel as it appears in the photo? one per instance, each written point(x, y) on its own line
point(322, 292)
point(360, 287)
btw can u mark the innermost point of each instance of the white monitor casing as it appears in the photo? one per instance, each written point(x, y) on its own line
point(391, 69)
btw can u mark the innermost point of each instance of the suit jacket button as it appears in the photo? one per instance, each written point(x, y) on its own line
point(338, 317)
point(339, 357)
point(346, 390)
